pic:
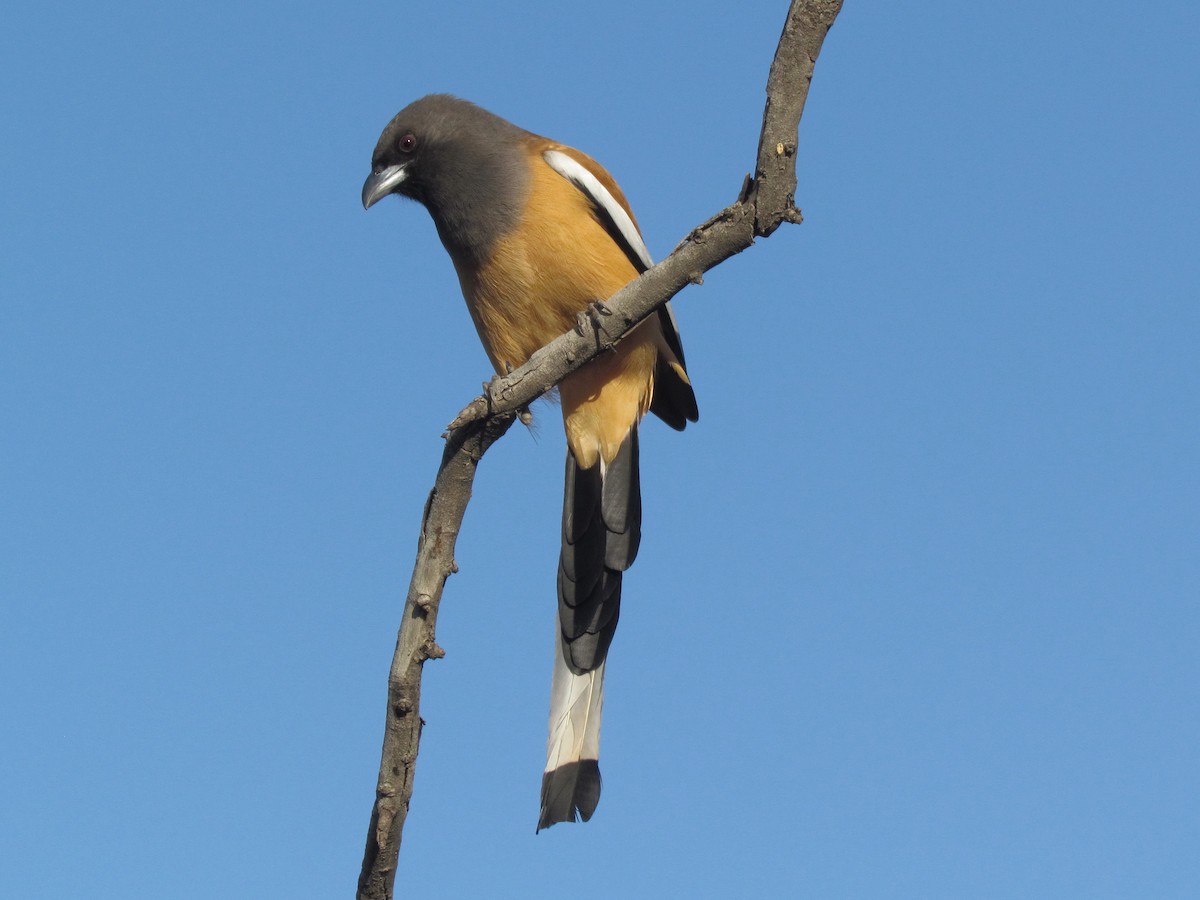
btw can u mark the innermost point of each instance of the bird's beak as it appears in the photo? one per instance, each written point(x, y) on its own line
point(379, 184)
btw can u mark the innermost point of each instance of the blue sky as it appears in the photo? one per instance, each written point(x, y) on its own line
point(916, 610)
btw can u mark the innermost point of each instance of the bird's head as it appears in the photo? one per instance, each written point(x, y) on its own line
point(462, 162)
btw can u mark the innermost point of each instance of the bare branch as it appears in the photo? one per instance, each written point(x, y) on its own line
point(787, 90)
point(415, 643)
point(763, 203)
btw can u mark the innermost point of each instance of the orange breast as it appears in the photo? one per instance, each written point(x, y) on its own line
point(542, 275)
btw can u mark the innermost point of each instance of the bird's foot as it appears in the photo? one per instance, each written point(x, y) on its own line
point(595, 314)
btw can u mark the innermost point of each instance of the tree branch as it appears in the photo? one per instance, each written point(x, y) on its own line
point(765, 202)
point(415, 643)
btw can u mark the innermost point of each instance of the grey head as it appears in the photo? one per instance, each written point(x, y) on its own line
point(466, 165)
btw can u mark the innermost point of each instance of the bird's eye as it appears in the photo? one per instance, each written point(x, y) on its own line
point(407, 144)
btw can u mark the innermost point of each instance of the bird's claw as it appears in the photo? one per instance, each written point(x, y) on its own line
point(596, 311)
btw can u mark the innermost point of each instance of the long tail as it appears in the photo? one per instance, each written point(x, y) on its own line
point(571, 782)
point(602, 527)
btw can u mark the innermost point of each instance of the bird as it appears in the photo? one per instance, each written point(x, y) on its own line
point(540, 234)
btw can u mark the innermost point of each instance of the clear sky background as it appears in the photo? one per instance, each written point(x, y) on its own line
point(917, 611)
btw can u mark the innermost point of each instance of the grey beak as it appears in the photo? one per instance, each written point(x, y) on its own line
point(379, 184)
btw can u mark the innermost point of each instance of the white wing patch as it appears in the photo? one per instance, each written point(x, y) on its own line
point(579, 176)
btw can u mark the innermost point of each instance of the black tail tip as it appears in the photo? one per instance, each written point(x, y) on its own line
point(570, 793)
